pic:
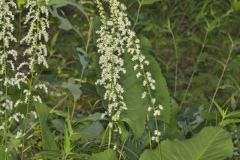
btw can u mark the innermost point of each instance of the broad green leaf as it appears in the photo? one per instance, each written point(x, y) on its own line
point(92, 132)
point(82, 57)
point(162, 94)
point(136, 114)
point(91, 117)
point(74, 88)
point(58, 124)
point(144, 2)
point(212, 143)
point(65, 24)
point(47, 137)
point(106, 155)
point(146, 44)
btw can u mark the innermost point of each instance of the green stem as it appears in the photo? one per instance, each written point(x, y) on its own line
point(138, 13)
point(223, 73)
point(27, 116)
point(194, 72)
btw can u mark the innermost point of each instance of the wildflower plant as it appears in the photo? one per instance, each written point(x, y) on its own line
point(140, 118)
point(22, 76)
point(36, 50)
point(8, 79)
point(35, 54)
point(116, 38)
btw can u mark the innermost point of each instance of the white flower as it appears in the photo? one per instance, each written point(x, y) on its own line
point(110, 125)
point(19, 134)
point(144, 95)
point(153, 100)
point(146, 62)
point(110, 23)
point(135, 67)
point(155, 138)
point(138, 74)
point(115, 147)
point(37, 99)
point(34, 114)
point(41, 86)
point(144, 83)
point(153, 87)
point(160, 107)
point(103, 115)
point(156, 113)
point(149, 109)
point(2, 127)
point(157, 133)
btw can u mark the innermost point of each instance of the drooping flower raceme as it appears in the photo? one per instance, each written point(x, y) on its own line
point(35, 40)
point(117, 38)
point(8, 78)
point(7, 55)
point(111, 49)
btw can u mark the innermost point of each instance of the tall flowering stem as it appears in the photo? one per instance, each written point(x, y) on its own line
point(111, 62)
point(8, 78)
point(36, 52)
point(37, 20)
point(115, 39)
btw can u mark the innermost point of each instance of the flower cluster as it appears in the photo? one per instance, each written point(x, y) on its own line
point(116, 38)
point(36, 52)
point(8, 57)
point(156, 136)
point(110, 46)
point(14, 75)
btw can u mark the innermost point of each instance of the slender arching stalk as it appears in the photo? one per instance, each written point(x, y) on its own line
point(194, 72)
point(223, 73)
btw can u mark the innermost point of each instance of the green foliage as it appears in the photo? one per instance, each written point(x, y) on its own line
point(106, 155)
point(20, 3)
point(211, 144)
point(47, 137)
point(74, 88)
point(193, 50)
point(162, 93)
point(136, 114)
point(144, 2)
